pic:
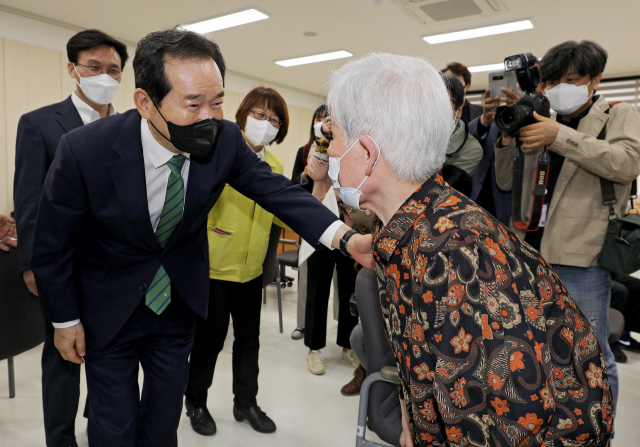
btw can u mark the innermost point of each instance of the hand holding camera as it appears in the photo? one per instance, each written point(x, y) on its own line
point(492, 103)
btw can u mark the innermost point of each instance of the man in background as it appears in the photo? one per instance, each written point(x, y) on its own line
point(460, 71)
point(96, 61)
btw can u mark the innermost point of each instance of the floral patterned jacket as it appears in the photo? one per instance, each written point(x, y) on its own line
point(490, 347)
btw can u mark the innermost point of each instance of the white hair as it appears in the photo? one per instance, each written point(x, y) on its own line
point(402, 103)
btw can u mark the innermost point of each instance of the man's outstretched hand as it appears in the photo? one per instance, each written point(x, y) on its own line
point(359, 247)
point(8, 233)
point(70, 342)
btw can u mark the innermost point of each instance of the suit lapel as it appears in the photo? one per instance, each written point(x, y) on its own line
point(129, 180)
point(68, 116)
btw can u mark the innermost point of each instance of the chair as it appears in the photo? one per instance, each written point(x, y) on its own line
point(288, 259)
point(379, 402)
point(271, 268)
point(616, 325)
point(21, 321)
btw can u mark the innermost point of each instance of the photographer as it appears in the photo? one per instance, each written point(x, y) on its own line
point(574, 220)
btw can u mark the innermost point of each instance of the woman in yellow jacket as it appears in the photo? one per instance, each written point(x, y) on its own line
point(238, 231)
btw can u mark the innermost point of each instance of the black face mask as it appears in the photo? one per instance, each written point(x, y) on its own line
point(195, 139)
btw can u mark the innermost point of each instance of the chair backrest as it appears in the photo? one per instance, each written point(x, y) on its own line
point(271, 258)
point(383, 412)
point(616, 325)
point(21, 321)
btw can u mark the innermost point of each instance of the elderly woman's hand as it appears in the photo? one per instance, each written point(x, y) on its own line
point(316, 168)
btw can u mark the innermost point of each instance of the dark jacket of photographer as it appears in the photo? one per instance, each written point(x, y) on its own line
point(576, 219)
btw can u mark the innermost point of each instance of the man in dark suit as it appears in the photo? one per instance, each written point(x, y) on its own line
point(121, 251)
point(96, 61)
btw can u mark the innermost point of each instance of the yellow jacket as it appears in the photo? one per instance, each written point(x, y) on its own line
point(239, 254)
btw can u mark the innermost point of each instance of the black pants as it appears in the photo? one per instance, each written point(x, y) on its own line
point(60, 393)
point(631, 309)
point(119, 416)
point(320, 271)
point(242, 302)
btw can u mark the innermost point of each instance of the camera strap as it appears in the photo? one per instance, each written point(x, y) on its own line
point(539, 189)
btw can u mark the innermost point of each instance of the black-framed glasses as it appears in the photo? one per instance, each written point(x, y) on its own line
point(95, 71)
point(260, 115)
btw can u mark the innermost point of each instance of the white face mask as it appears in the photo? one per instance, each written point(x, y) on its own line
point(99, 89)
point(260, 132)
point(349, 196)
point(317, 131)
point(567, 98)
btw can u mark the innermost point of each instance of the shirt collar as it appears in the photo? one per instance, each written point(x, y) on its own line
point(261, 154)
point(387, 238)
point(86, 112)
point(158, 154)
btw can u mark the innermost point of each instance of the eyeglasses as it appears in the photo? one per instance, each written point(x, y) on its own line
point(95, 71)
point(260, 115)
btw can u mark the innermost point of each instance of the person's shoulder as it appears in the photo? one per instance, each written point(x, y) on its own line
point(102, 133)
point(274, 161)
point(228, 131)
point(46, 112)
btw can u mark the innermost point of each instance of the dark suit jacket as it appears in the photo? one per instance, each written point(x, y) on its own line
point(95, 252)
point(486, 172)
point(471, 111)
point(38, 136)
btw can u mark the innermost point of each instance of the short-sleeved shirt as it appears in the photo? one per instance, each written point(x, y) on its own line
point(491, 349)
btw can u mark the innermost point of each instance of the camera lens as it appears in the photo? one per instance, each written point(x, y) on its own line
point(510, 118)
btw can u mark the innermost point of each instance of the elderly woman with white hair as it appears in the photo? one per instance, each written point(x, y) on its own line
point(491, 349)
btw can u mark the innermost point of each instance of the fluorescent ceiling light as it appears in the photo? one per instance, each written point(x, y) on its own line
point(480, 32)
point(490, 67)
point(315, 58)
point(228, 21)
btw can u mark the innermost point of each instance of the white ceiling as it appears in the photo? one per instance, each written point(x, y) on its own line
point(360, 27)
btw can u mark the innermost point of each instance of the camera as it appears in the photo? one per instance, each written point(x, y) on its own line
point(510, 119)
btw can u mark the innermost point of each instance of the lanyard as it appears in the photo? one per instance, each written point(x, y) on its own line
point(539, 189)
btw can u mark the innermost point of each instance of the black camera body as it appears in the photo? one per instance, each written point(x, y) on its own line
point(510, 119)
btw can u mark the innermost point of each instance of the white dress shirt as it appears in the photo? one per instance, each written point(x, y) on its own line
point(157, 176)
point(87, 114)
point(157, 172)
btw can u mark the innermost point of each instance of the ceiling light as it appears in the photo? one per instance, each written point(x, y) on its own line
point(228, 21)
point(316, 58)
point(490, 67)
point(480, 32)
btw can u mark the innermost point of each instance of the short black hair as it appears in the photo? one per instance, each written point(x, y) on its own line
point(92, 38)
point(459, 69)
point(155, 48)
point(585, 57)
point(456, 91)
point(458, 179)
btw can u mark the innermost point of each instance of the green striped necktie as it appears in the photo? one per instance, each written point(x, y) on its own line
point(159, 294)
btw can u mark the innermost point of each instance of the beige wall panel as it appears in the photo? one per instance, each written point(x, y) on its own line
point(124, 99)
point(68, 83)
point(32, 80)
point(5, 171)
point(231, 103)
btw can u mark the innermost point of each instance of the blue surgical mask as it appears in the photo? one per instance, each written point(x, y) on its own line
point(349, 196)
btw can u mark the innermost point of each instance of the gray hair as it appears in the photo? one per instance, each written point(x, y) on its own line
point(402, 103)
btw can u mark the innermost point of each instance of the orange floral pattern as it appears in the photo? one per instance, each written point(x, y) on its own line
point(486, 337)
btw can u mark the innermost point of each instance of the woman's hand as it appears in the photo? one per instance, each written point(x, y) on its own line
point(406, 438)
point(316, 168)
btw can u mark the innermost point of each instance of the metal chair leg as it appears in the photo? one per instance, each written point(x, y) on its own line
point(279, 297)
point(12, 379)
point(264, 295)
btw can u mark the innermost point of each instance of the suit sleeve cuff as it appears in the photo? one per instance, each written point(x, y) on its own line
point(65, 325)
point(327, 237)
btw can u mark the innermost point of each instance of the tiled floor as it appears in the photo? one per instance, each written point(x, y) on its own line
point(308, 410)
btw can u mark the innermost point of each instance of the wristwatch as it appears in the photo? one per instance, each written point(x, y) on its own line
point(343, 242)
